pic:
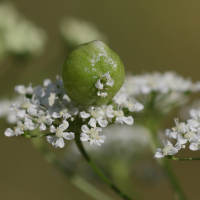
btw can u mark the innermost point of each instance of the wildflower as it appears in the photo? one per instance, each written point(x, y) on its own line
point(57, 140)
point(167, 150)
point(92, 135)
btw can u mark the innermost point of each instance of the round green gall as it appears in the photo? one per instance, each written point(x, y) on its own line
point(92, 74)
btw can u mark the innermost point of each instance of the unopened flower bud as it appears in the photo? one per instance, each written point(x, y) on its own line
point(84, 66)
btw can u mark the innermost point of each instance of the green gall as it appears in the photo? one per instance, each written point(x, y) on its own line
point(92, 74)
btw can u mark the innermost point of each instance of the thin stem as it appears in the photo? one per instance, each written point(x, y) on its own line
point(168, 169)
point(97, 170)
point(36, 136)
point(181, 159)
point(76, 180)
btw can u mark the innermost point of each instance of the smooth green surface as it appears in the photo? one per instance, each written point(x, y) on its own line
point(84, 66)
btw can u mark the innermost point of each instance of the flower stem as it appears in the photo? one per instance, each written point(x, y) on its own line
point(36, 136)
point(76, 180)
point(97, 170)
point(182, 159)
point(179, 193)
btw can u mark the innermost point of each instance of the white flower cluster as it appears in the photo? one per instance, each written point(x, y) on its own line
point(184, 133)
point(169, 89)
point(77, 32)
point(48, 107)
point(18, 35)
point(5, 112)
point(157, 82)
point(102, 87)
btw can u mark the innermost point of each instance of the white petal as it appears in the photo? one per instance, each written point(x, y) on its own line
point(159, 155)
point(194, 147)
point(84, 128)
point(128, 120)
point(109, 111)
point(51, 139)
point(182, 140)
point(98, 129)
point(32, 126)
point(56, 115)
point(102, 138)
point(42, 127)
point(84, 115)
point(107, 75)
point(178, 146)
point(66, 116)
point(20, 89)
point(21, 113)
point(46, 82)
point(32, 111)
point(14, 106)
point(173, 135)
point(194, 139)
point(99, 85)
point(92, 122)
point(102, 94)
point(95, 143)
point(168, 143)
point(64, 125)
point(59, 143)
point(18, 131)
point(102, 123)
point(84, 137)
point(119, 120)
point(172, 151)
point(110, 82)
point(9, 133)
point(138, 106)
point(52, 129)
point(68, 136)
point(48, 120)
point(36, 103)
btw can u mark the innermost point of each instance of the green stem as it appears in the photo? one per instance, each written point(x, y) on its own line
point(75, 179)
point(36, 136)
point(97, 170)
point(179, 193)
point(182, 159)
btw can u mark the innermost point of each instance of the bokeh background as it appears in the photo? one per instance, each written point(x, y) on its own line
point(148, 36)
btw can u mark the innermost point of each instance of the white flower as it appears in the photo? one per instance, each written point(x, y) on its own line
point(92, 135)
point(58, 113)
point(84, 115)
point(120, 118)
point(98, 115)
point(110, 81)
point(99, 85)
point(180, 127)
point(43, 118)
point(57, 140)
point(102, 94)
point(9, 133)
point(167, 150)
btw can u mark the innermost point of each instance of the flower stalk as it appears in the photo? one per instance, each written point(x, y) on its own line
point(182, 159)
point(97, 170)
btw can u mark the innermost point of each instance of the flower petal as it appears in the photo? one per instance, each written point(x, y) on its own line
point(9, 133)
point(59, 143)
point(68, 136)
point(128, 120)
point(84, 137)
point(52, 129)
point(84, 128)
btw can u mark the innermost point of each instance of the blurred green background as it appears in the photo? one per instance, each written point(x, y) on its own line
point(148, 36)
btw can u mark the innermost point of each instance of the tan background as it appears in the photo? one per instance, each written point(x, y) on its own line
point(148, 36)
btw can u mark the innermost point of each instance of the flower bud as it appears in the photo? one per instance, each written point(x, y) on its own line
point(92, 74)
